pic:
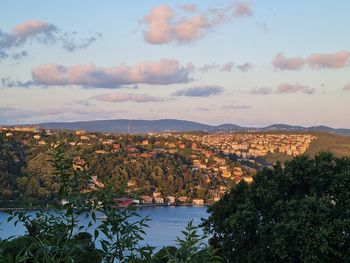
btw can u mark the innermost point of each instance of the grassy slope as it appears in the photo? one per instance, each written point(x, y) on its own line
point(337, 144)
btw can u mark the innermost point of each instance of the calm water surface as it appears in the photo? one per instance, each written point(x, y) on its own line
point(165, 225)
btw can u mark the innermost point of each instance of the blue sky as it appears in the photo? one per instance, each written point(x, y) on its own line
point(248, 63)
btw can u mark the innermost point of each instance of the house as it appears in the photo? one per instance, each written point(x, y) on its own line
point(171, 200)
point(182, 199)
point(135, 201)
point(146, 155)
point(172, 151)
point(100, 151)
point(237, 171)
point(79, 164)
point(216, 198)
point(159, 200)
point(182, 146)
point(131, 183)
point(145, 199)
point(198, 201)
point(37, 137)
point(116, 147)
point(80, 132)
point(248, 179)
point(226, 174)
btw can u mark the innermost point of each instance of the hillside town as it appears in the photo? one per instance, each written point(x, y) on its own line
point(210, 163)
point(250, 145)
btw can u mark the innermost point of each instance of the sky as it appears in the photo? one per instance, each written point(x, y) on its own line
point(251, 63)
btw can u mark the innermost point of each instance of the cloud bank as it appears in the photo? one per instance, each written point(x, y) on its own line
point(163, 72)
point(227, 67)
point(284, 88)
point(335, 60)
point(36, 31)
point(165, 25)
point(282, 63)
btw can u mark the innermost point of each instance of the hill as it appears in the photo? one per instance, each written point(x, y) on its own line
point(334, 143)
point(129, 126)
point(163, 125)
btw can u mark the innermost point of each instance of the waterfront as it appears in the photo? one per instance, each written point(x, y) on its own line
point(166, 223)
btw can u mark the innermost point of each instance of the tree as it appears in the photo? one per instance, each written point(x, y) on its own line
point(299, 213)
point(55, 236)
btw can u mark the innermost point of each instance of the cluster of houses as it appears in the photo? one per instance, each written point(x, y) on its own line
point(208, 153)
point(252, 145)
point(146, 200)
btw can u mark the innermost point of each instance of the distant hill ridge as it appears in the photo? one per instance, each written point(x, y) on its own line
point(162, 125)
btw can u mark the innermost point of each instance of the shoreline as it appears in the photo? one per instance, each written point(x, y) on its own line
point(9, 209)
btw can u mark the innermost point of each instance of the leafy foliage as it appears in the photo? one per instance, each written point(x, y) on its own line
point(56, 235)
point(192, 248)
point(296, 213)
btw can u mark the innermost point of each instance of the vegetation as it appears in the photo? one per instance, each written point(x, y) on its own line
point(296, 212)
point(299, 213)
point(56, 235)
point(12, 159)
point(26, 174)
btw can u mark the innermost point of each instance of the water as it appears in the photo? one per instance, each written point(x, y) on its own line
point(166, 223)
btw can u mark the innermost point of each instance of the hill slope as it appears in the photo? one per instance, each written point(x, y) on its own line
point(144, 126)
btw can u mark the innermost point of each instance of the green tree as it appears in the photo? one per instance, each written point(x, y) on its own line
point(296, 213)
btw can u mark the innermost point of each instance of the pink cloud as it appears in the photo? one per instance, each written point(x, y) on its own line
point(164, 25)
point(282, 63)
point(163, 72)
point(120, 97)
point(32, 27)
point(293, 88)
point(189, 30)
point(336, 60)
point(159, 25)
